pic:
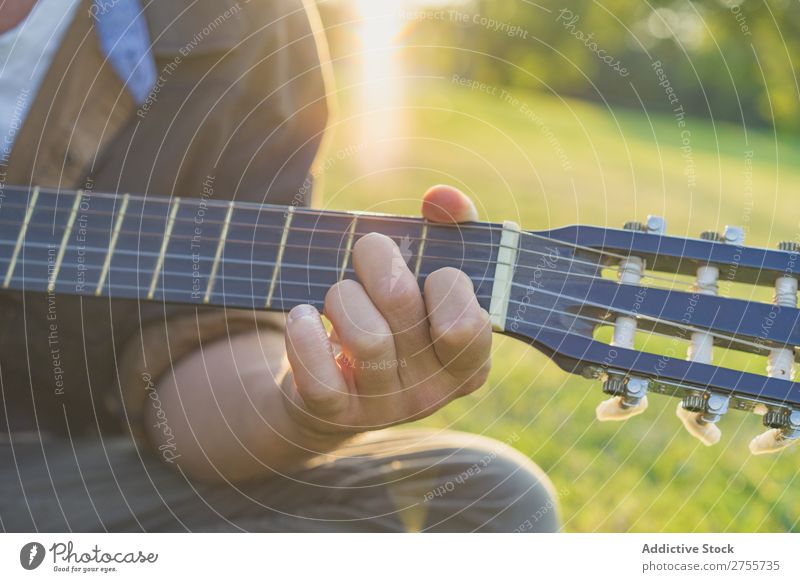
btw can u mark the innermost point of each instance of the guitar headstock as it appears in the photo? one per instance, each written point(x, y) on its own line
point(572, 282)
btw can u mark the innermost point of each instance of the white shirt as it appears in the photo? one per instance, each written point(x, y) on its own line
point(26, 52)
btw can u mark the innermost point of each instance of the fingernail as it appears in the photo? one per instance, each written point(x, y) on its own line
point(472, 211)
point(302, 312)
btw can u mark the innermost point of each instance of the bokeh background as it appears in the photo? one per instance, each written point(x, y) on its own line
point(592, 112)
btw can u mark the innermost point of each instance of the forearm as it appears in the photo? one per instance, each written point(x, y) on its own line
point(225, 415)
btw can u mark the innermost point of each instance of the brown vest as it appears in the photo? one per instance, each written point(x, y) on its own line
point(240, 102)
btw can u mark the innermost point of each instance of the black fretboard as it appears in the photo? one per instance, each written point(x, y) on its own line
point(206, 251)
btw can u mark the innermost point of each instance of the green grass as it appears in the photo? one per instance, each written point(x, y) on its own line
point(646, 474)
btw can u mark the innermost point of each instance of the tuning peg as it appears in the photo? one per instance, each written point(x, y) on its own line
point(656, 224)
point(628, 395)
point(699, 413)
point(628, 398)
point(780, 361)
point(707, 433)
point(733, 235)
point(783, 429)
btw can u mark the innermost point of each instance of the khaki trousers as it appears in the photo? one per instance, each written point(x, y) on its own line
point(395, 480)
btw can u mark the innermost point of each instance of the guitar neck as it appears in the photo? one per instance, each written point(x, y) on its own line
point(205, 251)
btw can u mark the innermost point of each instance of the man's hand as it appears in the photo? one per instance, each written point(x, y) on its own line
point(402, 356)
point(234, 416)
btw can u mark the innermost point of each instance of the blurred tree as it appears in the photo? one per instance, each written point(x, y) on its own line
point(726, 59)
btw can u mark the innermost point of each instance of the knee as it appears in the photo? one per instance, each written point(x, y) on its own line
point(492, 487)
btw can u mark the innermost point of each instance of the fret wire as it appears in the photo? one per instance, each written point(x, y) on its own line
point(222, 238)
point(112, 245)
point(279, 257)
point(421, 248)
point(64, 240)
point(160, 262)
point(21, 237)
point(349, 247)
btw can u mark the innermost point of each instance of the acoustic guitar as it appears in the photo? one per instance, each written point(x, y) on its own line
point(553, 289)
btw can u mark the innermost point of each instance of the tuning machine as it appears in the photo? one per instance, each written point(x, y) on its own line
point(783, 428)
point(699, 413)
point(628, 393)
point(628, 397)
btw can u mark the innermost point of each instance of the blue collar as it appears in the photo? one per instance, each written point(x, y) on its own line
point(125, 41)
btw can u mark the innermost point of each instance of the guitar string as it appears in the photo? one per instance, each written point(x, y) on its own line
point(473, 227)
point(308, 284)
point(520, 268)
point(462, 227)
point(230, 241)
point(321, 214)
point(631, 313)
point(259, 208)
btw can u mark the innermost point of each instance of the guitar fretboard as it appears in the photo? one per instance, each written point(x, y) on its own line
point(205, 251)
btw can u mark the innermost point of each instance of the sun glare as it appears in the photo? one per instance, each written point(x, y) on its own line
point(380, 25)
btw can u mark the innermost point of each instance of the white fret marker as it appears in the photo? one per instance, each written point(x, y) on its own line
point(348, 250)
point(21, 237)
point(51, 285)
point(279, 258)
point(160, 264)
point(421, 249)
point(113, 244)
point(504, 275)
point(218, 256)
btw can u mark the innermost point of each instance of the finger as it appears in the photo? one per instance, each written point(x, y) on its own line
point(447, 204)
point(364, 336)
point(393, 289)
point(460, 330)
point(318, 380)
